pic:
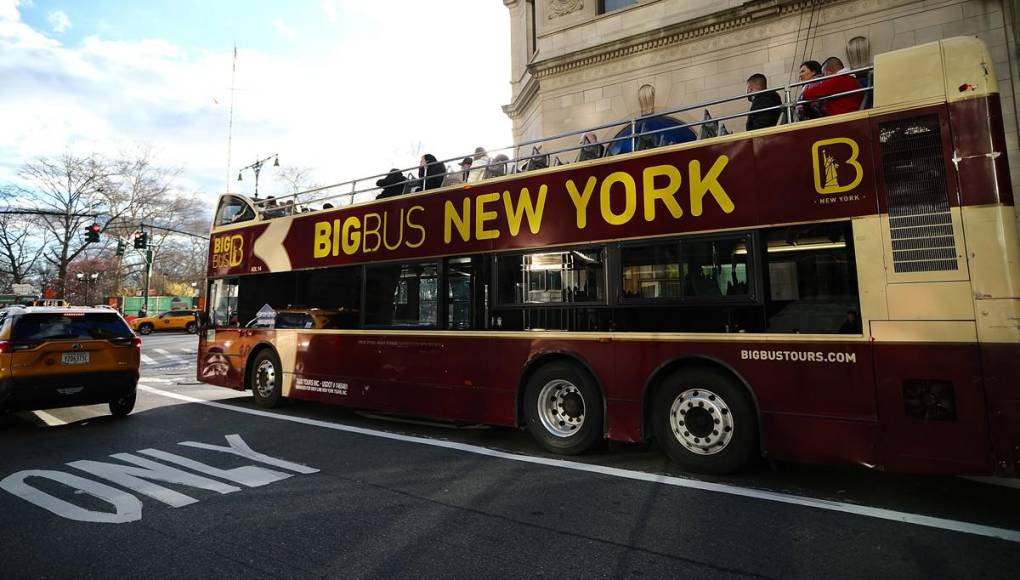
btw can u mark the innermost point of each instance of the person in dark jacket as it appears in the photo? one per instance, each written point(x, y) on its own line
point(431, 171)
point(758, 82)
point(392, 184)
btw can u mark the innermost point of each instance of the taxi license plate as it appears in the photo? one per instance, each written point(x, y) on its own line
point(74, 358)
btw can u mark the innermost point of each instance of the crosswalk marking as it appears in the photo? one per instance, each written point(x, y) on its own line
point(49, 419)
point(148, 360)
point(161, 350)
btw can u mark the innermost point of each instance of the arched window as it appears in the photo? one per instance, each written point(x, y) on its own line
point(674, 133)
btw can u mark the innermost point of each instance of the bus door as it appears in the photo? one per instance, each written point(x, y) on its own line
point(222, 348)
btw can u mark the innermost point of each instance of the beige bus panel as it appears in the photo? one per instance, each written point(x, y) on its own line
point(286, 347)
point(868, 251)
point(999, 320)
point(993, 250)
point(961, 273)
point(968, 68)
point(951, 69)
point(931, 301)
point(923, 331)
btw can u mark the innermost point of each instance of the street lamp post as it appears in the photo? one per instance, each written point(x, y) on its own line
point(87, 279)
point(257, 167)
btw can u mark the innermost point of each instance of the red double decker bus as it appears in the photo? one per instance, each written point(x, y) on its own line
point(844, 289)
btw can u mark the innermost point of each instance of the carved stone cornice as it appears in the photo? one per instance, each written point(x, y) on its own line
point(745, 15)
point(523, 100)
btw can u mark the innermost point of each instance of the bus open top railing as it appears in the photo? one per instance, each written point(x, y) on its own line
point(508, 160)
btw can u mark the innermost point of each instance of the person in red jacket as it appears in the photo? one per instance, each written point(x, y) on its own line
point(836, 81)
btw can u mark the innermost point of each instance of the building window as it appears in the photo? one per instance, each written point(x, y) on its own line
point(610, 5)
point(532, 28)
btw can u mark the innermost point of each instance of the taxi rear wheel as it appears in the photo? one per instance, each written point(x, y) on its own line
point(190, 328)
point(122, 406)
point(145, 328)
point(266, 379)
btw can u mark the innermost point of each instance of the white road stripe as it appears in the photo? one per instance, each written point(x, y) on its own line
point(834, 506)
point(148, 360)
point(49, 419)
point(154, 380)
point(161, 350)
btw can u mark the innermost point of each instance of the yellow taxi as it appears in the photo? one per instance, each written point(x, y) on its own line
point(63, 357)
point(329, 318)
point(171, 320)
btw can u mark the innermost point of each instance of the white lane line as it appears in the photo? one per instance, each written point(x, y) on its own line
point(161, 350)
point(823, 504)
point(148, 360)
point(154, 380)
point(49, 419)
point(1000, 481)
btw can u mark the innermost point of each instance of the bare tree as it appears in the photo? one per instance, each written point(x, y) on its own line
point(296, 178)
point(19, 248)
point(69, 190)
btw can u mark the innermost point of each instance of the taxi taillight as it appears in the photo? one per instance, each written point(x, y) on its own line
point(137, 342)
point(4, 346)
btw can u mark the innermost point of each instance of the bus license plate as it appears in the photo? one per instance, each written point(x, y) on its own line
point(74, 358)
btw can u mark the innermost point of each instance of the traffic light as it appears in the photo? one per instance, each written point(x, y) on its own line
point(92, 233)
point(121, 246)
point(141, 240)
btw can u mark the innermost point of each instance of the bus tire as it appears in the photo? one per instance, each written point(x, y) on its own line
point(563, 408)
point(705, 421)
point(266, 379)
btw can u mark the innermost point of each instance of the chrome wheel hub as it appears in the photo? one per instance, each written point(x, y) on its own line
point(265, 378)
point(561, 408)
point(701, 421)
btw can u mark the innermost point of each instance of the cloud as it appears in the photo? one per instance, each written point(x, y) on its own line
point(341, 110)
point(283, 29)
point(59, 21)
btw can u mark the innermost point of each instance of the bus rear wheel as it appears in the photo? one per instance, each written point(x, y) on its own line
point(705, 421)
point(563, 408)
point(266, 379)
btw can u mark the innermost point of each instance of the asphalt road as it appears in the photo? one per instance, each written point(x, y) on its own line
point(319, 491)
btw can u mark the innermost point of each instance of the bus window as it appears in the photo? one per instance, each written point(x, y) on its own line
point(686, 270)
point(812, 278)
point(651, 271)
point(402, 295)
point(464, 292)
point(223, 303)
point(552, 277)
point(233, 210)
point(715, 268)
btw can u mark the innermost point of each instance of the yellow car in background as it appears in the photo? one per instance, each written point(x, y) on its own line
point(172, 320)
point(64, 357)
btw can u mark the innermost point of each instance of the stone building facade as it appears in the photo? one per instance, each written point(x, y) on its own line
point(583, 63)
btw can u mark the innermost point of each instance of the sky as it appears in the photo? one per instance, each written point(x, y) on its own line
point(347, 88)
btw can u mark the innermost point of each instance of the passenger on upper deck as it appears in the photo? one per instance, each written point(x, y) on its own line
point(477, 172)
point(809, 69)
point(758, 82)
point(392, 184)
point(837, 81)
point(430, 172)
point(465, 168)
point(591, 149)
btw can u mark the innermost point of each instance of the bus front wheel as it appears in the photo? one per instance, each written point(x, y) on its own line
point(563, 408)
point(705, 421)
point(266, 379)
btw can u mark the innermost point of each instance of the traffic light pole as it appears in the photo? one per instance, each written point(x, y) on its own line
point(145, 284)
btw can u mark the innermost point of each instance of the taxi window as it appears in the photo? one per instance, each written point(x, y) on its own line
point(57, 326)
point(294, 320)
